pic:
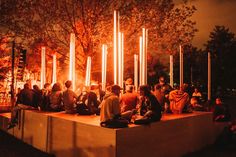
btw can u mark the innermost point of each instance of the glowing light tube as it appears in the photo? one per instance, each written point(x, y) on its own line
point(54, 68)
point(43, 67)
point(181, 66)
point(209, 77)
point(104, 66)
point(72, 60)
point(136, 72)
point(115, 47)
point(144, 56)
point(88, 72)
point(171, 71)
point(122, 60)
point(140, 61)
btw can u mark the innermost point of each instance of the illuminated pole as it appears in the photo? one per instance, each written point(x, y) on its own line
point(104, 66)
point(144, 73)
point(171, 71)
point(88, 72)
point(120, 59)
point(209, 76)
point(54, 68)
point(115, 45)
point(72, 60)
point(143, 41)
point(43, 68)
point(181, 66)
point(136, 72)
point(140, 61)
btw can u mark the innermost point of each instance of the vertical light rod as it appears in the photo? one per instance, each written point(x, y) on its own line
point(43, 67)
point(115, 47)
point(181, 66)
point(145, 42)
point(88, 72)
point(122, 60)
point(209, 77)
point(54, 68)
point(72, 60)
point(136, 72)
point(119, 59)
point(104, 66)
point(140, 60)
point(171, 71)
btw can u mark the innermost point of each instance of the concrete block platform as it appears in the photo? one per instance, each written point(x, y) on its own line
point(72, 135)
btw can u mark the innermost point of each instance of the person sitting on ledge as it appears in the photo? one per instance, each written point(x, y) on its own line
point(46, 91)
point(161, 91)
point(55, 98)
point(24, 101)
point(149, 108)
point(179, 100)
point(110, 113)
point(129, 100)
point(220, 111)
point(88, 101)
point(69, 98)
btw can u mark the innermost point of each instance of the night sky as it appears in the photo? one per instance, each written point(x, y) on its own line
point(210, 13)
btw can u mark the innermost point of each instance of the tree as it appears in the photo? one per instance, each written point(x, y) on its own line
point(50, 23)
point(222, 45)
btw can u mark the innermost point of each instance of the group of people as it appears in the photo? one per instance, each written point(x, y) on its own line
point(116, 108)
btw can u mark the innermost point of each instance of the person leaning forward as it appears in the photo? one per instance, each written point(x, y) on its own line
point(111, 111)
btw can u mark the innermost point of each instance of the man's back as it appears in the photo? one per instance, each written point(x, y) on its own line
point(109, 107)
point(69, 100)
point(128, 101)
point(178, 100)
point(26, 97)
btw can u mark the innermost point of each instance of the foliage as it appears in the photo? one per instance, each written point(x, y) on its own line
point(222, 45)
point(34, 23)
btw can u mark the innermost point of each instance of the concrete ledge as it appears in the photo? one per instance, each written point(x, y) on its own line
point(71, 135)
point(169, 137)
point(73, 138)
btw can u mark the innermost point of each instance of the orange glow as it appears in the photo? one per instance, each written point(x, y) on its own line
point(72, 60)
point(54, 68)
point(104, 66)
point(88, 72)
point(43, 67)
